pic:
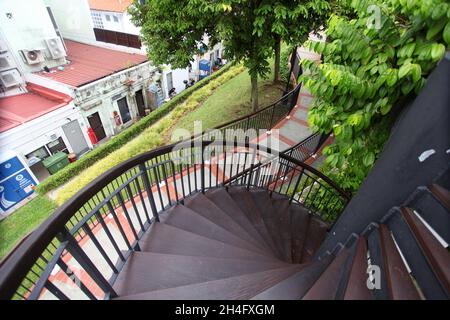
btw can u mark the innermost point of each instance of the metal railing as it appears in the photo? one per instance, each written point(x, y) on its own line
point(80, 250)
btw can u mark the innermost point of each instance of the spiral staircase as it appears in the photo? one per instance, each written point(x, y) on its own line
point(214, 220)
point(236, 243)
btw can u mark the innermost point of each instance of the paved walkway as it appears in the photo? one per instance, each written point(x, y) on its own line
point(287, 133)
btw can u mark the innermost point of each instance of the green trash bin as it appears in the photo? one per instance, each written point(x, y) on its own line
point(56, 162)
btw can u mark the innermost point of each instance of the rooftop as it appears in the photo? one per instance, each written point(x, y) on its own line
point(89, 63)
point(110, 5)
point(18, 109)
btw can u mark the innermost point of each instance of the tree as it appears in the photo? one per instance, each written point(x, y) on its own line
point(290, 21)
point(174, 31)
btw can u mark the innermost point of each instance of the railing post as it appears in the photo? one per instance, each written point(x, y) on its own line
point(202, 170)
point(271, 118)
point(296, 186)
point(148, 189)
point(75, 250)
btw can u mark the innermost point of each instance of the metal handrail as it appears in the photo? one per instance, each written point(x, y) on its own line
point(25, 257)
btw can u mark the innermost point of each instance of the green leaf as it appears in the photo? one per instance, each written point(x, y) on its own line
point(446, 34)
point(404, 70)
point(437, 51)
point(436, 29)
point(368, 159)
point(385, 108)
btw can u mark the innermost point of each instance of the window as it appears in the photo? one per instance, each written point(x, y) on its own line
point(57, 145)
point(40, 153)
point(116, 19)
point(108, 17)
point(97, 20)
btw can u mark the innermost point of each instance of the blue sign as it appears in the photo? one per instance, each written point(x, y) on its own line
point(17, 186)
point(10, 167)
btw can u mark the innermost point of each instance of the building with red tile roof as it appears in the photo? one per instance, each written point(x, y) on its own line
point(22, 108)
point(89, 63)
point(110, 5)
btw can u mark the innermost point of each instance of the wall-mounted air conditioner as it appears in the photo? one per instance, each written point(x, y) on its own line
point(56, 48)
point(6, 61)
point(10, 78)
point(33, 56)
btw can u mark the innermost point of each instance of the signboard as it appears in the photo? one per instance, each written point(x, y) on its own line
point(16, 183)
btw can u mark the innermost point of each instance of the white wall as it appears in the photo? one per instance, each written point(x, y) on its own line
point(178, 75)
point(25, 25)
point(36, 133)
point(73, 18)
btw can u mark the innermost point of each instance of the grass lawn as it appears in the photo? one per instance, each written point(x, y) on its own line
point(230, 101)
point(23, 221)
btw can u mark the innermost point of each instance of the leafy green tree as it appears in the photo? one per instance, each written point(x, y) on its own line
point(290, 21)
point(373, 62)
point(173, 30)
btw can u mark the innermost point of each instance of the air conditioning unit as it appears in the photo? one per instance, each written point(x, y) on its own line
point(6, 61)
point(33, 56)
point(56, 48)
point(10, 78)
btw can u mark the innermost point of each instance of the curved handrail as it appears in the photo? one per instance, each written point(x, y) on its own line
point(23, 258)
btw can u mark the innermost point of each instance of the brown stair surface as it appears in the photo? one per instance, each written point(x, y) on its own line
point(299, 228)
point(209, 210)
point(245, 201)
point(186, 219)
point(239, 287)
point(145, 271)
point(437, 256)
point(163, 238)
point(400, 285)
point(316, 233)
point(223, 200)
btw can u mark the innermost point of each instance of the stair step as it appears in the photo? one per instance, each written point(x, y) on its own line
point(240, 287)
point(430, 207)
point(206, 208)
point(299, 228)
point(327, 284)
point(400, 285)
point(421, 270)
point(145, 271)
point(317, 231)
point(163, 238)
point(295, 287)
point(356, 288)
point(437, 256)
point(224, 201)
point(245, 201)
point(376, 259)
point(187, 219)
point(442, 194)
point(283, 223)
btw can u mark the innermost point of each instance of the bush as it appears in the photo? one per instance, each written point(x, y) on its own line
point(372, 65)
point(122, 138)
point(150, 138)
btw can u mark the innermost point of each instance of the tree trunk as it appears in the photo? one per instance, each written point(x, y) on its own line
point(277, 76)
point(254, 98)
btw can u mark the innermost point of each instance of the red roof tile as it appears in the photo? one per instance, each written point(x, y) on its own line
point(89, 63)
point(22, 108)
point(110, 5)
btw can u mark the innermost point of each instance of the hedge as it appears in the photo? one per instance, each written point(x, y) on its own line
point(123, 137)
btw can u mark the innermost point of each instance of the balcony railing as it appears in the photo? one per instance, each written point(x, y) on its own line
point(131, 197)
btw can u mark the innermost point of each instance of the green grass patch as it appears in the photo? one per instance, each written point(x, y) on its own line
point(23, 221)
point(230, 101)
